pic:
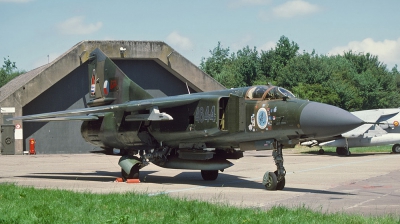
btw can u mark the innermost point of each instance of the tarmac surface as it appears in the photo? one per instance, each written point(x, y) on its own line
point(366, 184)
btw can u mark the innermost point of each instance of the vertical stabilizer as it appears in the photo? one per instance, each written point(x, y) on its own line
point(109, 84)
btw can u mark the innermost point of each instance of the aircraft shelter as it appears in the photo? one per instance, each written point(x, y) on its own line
point(64, 84)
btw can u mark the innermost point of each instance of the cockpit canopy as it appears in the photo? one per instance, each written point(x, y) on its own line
point(268, 92)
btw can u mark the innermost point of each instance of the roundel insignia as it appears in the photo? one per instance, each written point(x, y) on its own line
point(262, 118)
point(396, 123)
point(106, 87)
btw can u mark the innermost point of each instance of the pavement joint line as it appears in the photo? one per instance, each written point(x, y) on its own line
point(361, 203)
point(258, 178)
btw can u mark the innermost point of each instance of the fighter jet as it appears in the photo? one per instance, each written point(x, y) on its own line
point(198, 131)
point(382, 129)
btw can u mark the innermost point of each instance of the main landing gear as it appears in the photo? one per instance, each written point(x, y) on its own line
point(343, 151)
point(276, 180)
point(130, 166)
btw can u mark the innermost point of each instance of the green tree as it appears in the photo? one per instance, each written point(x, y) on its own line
point(350, 81)
point(274, 60)
point(246, 65)
point(304, 68)
point(219, 58)
point(8, 71)
point(375, 84)
point(317, 92)
point(396, 74)
point(234, 70)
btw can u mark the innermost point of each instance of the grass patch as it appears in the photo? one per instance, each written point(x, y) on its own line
point(356, 150)
point(29, 205)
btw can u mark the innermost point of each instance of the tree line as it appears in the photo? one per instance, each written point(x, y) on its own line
point(352, 81)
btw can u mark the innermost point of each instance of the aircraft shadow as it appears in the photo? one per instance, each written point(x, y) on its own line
point(352, 154)
point(304, 190)
point(186, 177)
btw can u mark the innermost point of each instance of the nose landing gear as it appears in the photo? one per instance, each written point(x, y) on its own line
point(276, 180)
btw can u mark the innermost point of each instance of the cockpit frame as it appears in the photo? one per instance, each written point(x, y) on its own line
point(268, 92)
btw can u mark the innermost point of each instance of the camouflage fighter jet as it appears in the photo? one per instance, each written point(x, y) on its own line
point(197, 131)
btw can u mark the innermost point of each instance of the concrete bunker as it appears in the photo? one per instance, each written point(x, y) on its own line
point(64, 84)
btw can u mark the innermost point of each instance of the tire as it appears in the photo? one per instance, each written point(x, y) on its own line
point(281, 184)
point(270, 182)
point(341, 151)
point(321, 151)
point(396, 148)
point(209, 174)
point(134, 174)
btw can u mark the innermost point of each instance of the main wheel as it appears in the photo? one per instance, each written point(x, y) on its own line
point(269, 181)
point(321, 151)
point(209, 174)
point(134, 174)
point(281, 184)
point(396, 148)
point(341, 151)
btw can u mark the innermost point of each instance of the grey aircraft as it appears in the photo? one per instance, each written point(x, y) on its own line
point(382, 129)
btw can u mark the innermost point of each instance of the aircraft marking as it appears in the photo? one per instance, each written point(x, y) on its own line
point(262, 118)
point(106, 87)
point(252, 123)
point(113, 84)
point(206, 114)
point(93, 84)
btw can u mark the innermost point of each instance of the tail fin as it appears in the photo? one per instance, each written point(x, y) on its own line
point(109, 84)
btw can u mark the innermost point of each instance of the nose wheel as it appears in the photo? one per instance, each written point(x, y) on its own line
point(270, 181)
point(276, 180)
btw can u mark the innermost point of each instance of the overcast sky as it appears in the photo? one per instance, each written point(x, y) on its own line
point(30, 30)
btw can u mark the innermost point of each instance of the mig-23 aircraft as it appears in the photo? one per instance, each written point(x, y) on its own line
point(198, 131)
point(382, 129)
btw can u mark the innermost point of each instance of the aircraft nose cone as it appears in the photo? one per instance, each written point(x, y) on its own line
point(323, 120)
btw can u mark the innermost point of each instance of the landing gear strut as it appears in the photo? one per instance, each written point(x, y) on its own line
point(276, 180)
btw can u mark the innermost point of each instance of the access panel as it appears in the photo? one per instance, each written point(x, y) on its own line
point(7, 139)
